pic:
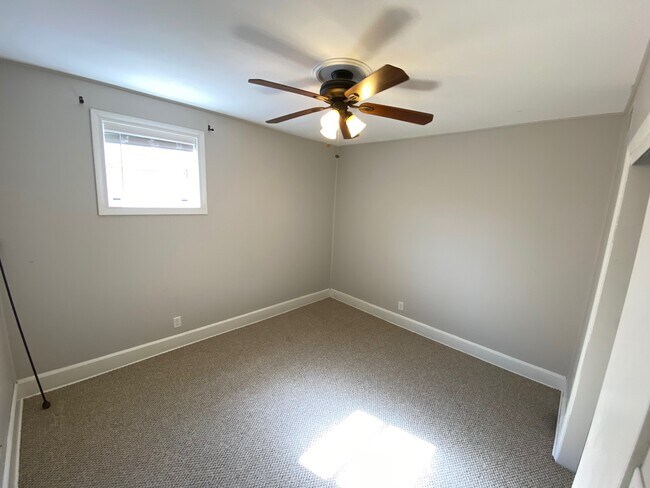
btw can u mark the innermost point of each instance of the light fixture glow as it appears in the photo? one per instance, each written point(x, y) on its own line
point(329, 133)
point(330, 121)
point(355, 125)
point(330, 124)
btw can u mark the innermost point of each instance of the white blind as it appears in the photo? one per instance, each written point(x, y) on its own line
point(148, 168)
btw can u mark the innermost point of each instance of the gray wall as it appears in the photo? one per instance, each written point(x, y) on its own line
point(7, 381)
point(86, 285)
point(493, 236)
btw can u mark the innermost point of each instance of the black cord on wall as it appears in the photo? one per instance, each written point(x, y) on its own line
point(46, 403)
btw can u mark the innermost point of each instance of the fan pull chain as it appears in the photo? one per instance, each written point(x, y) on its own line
point(338, 144)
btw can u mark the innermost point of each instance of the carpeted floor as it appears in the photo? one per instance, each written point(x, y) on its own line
point(322, 396)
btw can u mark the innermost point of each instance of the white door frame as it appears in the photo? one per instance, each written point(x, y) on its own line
point(567, 449)
point(624, 401)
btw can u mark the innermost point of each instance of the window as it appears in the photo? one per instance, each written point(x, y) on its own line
point(145, 167)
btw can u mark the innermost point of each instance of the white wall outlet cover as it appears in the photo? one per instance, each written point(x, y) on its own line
point(177, 322)
point(400, 305)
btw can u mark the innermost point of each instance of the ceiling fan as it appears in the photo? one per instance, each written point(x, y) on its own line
point(341, 93)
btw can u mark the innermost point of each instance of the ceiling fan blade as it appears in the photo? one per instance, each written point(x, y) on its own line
point(382, 79)
point(289, 89)
point(402, 114)
point(296, 114)
point(345, 131)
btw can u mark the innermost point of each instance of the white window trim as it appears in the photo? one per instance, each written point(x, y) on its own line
point(97, 117)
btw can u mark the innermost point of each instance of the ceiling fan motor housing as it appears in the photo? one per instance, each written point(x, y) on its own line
point(340, 82)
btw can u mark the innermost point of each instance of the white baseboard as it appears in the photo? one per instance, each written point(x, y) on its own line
point(58, 378)
point(491, 356)
point(12, 444)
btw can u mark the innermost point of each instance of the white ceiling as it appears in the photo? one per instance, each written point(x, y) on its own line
point(475, 63)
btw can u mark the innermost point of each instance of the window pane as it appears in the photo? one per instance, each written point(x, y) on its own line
point(150, 172)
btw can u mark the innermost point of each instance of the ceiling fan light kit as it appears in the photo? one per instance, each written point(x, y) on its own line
point(345, 83)
point(330, 124)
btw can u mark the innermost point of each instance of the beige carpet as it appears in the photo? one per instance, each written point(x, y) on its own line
point(323, 396)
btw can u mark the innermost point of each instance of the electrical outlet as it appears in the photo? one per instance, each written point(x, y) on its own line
point(177, 322)
point(400, 305)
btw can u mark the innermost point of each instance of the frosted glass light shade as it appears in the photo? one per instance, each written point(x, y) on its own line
point(355, 125)
point(329, 133)
point(330, 121)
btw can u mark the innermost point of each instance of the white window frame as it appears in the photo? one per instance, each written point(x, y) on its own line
point(157, 129)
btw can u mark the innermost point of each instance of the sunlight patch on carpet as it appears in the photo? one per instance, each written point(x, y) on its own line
point(363, 451)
